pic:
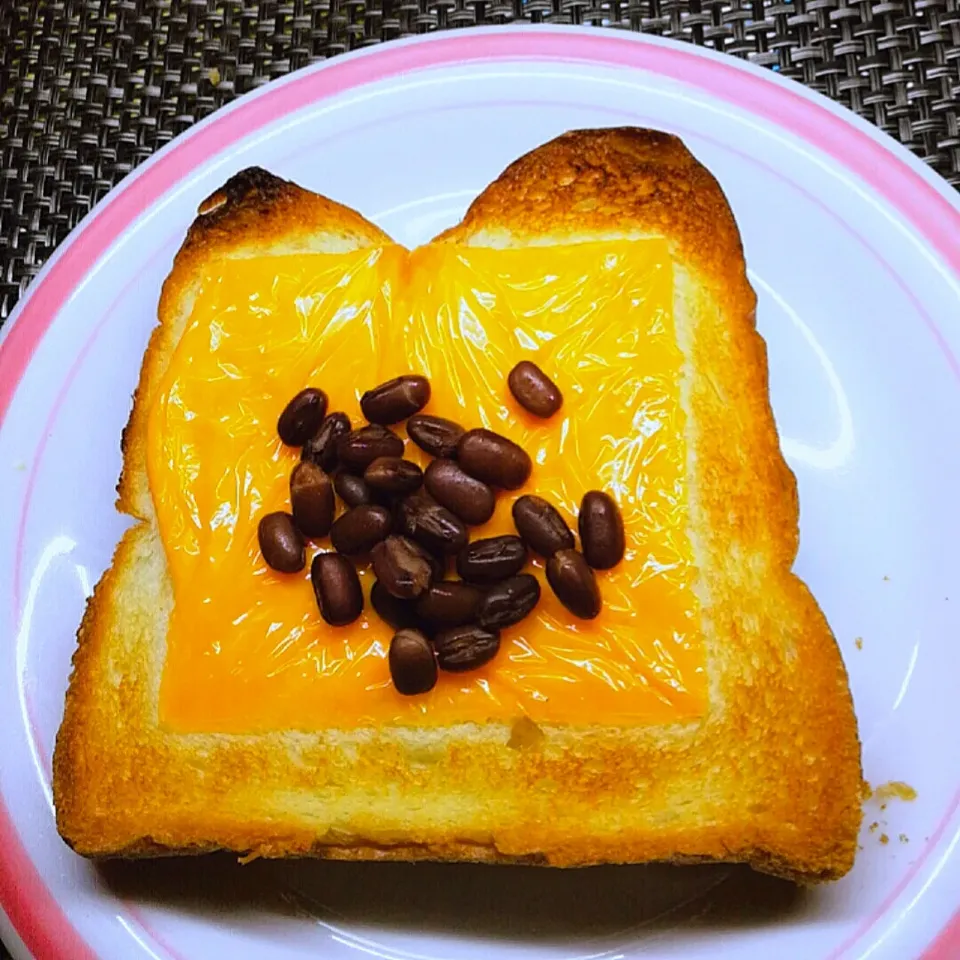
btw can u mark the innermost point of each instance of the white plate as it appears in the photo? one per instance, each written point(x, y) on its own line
point(854, 249)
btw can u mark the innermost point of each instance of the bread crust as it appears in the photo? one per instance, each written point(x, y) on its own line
point(770, 776)
point(253, 214)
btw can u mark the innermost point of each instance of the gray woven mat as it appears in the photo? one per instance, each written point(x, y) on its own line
point(90, 88)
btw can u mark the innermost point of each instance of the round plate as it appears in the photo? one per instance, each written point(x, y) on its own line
point(854, 250)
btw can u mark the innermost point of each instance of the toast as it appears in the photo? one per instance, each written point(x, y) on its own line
point(769, 775)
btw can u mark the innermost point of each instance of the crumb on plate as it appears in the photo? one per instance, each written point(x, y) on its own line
point(894, 790)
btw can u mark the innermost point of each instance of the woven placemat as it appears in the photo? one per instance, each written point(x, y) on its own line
point(90, 88)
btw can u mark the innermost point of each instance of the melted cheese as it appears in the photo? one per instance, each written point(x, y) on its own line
point(246, 648)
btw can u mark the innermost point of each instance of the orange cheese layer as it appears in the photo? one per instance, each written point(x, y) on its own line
point(246, 648)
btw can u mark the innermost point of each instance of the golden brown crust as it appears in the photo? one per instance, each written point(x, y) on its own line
point(253, 214)
point(771, 776)
point(619, 182)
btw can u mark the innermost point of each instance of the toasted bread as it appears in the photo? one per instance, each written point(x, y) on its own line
point(769, 776)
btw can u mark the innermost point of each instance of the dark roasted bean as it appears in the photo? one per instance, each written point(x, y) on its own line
point(433, 526)
point(359, 448)
point(492, 559)
point(437, 561)
point(466, 647)
point(396, 399)
point(392, 610)
point(470, 499)
point(601, 530)
point(281, 543)
point(302, 416)
point(321, 448)
point(449, 602)
point(337, 588)
point(534, 390)
point(540, 525)
point(353, 490)
point(413, 665)
point(358, 530)
point(574, 583)
point(393, 476)
point(401, 568)
point(509, 601)
point(312, 500)
point(436, 435)
point(493, 459)
point(438, 565)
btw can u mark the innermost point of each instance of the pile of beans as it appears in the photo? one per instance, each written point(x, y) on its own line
point(410, 523)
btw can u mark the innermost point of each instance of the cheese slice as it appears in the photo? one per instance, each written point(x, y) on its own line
point(246, 648)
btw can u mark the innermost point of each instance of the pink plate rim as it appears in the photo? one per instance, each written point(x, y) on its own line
point(29, 904)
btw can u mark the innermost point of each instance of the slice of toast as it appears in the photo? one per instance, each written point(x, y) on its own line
point(769, 776)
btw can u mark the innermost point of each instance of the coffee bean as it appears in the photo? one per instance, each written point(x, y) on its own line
point(321, 448)
point(534, 390)
point(601, 530)
point(393, 476)
point(435, 435)
point(392, 610)
point(358, 530)
point(353, 490)
point(312, 500)
point(433, 526)
point(493, 459)
point(401, 568)
point(508, 602)
point(302, 416)
point(359, 448)
point(466, 647)
point(437, 561)
point(281, 543)
point(492, 559)
point(438, 565)
point(396, 399)
point(471, 500)
point(337, 588)
point(449, 602)
point(540, 525)
point(574, 583)
point(413, 665)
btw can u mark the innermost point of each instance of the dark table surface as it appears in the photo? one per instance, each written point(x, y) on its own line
point(91, 88)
